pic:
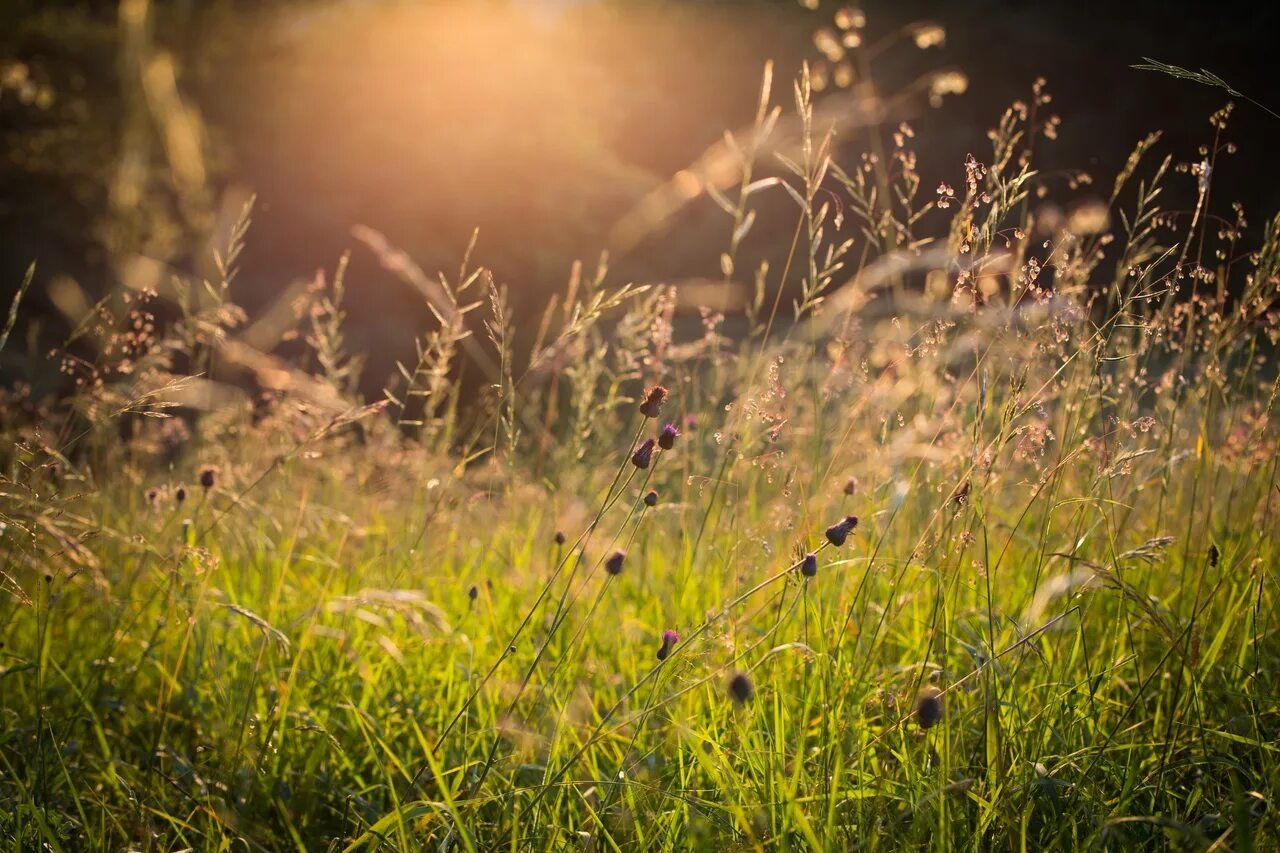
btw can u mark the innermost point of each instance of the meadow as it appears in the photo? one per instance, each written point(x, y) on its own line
point(963, 540)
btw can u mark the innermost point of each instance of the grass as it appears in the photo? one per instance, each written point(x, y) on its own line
point(404, 624)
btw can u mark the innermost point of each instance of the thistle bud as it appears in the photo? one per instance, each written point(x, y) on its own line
point(928, 711)
point(560, 537)
point(653, 400)
point(839, 532)
point(669, 640)
point(651, 498)
point(644, 454)
point(809, 567)
point(667, 438)
point(208, 476)
point(180, 494)
point(613, 565)
point(741, 690)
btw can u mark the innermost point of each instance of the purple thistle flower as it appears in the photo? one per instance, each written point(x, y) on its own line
point(741, 690)
point(653, 400)
point(667, 438)
point(651, 498)
point(560, 537)
point(839, 532)
point(208, 476)
point(644, 454)
point(669, 639)
point(809, 567)
point(613, 565)
point(180, 494)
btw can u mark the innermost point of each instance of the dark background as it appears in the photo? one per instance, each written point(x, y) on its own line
point(333, 123)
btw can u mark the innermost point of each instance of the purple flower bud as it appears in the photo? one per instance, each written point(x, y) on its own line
point(741, 690)
point(928, 711)
point(651, 498)
point(809, 567)
point(667, 438)
point(560, 537)
point(644, 454)
point(669, 639)
point(208, 476)
point(653, 400)
point(180, 494)
point(613, 565)
point(839, 532)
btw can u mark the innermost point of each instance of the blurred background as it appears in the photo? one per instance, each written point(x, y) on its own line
point(133, 133)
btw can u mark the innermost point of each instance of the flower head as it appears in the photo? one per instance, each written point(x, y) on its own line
point(839, 532)
point(809, 567)
point(560, 537)
point(180, 494)
point(669, 639)
point(741, 690)
point(613, 565)
point(644, 454)
point(667, 438)
point(653, 400)
point(208, 476)
point(928, 711)
point(651, 498)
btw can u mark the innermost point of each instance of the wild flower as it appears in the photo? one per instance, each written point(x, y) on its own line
point(560, 537)
point(153, 496)
point(613, 565)
point(180, 494)
point(839, 532)
point(644, 454)
point(651, 498)
point(741, 689)
point(928, 710)
point(208, 477)
point(850, 486)
point(654, 399)
point(667, 438)
point(669, 640)
point(809, 567)
point(473, 592)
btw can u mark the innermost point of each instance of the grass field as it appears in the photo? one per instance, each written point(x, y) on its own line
point(304, 620)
